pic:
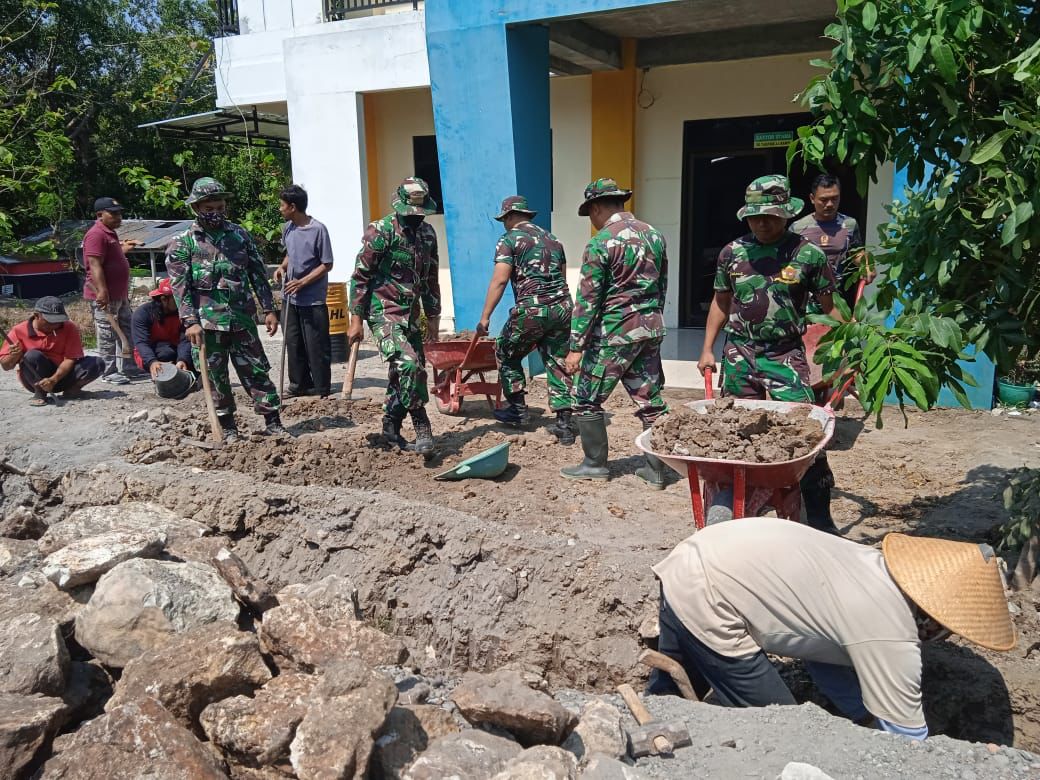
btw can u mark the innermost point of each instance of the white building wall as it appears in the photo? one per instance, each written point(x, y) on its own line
point(571, 120)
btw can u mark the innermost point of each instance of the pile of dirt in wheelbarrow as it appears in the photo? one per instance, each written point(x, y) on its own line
point(729, 432)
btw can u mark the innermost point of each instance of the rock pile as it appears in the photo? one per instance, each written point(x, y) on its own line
point(729, 432)
point(135, 644)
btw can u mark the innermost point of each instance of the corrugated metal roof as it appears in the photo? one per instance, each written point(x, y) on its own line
point(152, 234)
point(226, 126)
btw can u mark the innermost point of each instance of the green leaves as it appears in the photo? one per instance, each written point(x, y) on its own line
point(992, 147)
point(870, 15)
point(916, 49)
point(1021, 498)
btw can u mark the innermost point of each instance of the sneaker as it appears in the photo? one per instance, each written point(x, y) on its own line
point(274, 425)
point(115, 379)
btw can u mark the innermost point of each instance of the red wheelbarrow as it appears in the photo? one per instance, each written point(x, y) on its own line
point(754, 485)
point(455, 362)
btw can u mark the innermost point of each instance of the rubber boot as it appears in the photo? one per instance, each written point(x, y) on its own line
point(274, 425)
point(392, 430)
point(423, 432)
point(816, 496)
point(228, 429)
point(564, 430)
point(653, 473)
point(593, 431)
point(515, 414)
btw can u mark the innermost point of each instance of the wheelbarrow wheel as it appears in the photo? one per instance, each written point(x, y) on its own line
point(449, 407)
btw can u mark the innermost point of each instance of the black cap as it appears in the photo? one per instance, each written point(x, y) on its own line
point(107, 204)
point(51, 309)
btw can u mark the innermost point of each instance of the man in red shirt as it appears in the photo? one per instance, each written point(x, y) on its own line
point(108, 285)
point(48, 352)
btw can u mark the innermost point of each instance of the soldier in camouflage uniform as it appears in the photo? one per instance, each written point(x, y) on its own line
point(215, 270)
point(617, 326)
point(534, 261)
point(762, 286)
point(396, 269)
point(836, 234)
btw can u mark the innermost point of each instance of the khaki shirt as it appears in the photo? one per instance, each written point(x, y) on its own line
point(769, 584)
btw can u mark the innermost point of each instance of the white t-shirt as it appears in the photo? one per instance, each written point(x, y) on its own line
point(764, 583)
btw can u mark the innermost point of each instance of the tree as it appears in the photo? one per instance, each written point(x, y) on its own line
point(948, 90)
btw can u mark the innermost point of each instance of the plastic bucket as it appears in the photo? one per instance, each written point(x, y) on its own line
point(1011, 394)
point(339, 319)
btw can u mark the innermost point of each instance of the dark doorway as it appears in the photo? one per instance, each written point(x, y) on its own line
point(720, 158)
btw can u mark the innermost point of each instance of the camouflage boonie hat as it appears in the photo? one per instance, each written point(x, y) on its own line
point(206, 188)
point(517, 203)
point(602, 188)
point(413, 197)
point(770, 195)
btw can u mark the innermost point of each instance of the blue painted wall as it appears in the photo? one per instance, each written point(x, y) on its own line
point(981, 368)
point(489, 80)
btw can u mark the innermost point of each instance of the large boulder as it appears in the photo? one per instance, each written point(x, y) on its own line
point(334, 740)
point(598, 731)
point(250, 591)
point(256, 731)
point(33, 656)
point(304, 639)
point(35, 593)
point(502, 699)
point(471, 753)
point(542, 762)
point(133, 517)
point(333, 596)
point(194, 669)
point(21, 522)
point(602, 767)
point(85, 560)
point(137, 740)
point(18, 556)
point(88, 689)
point(408, 731)
point(141, 604)
point(26, 724)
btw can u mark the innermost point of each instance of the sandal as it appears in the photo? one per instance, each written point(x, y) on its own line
point(37, 401)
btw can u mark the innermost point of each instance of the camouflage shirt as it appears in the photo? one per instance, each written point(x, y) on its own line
point(837, 238)
point(539, 274)
point(624, 273)
point(215, 275)
point(395, 269)
point(771, 286)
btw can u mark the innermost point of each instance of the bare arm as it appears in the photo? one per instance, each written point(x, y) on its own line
point(97, 280)
point(718, 314)
point(826, 301)
point(499, 280)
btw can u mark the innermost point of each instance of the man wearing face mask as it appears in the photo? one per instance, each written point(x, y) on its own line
point(396, 270)
point(762, 287)
point(215, 271)
point(856, 616)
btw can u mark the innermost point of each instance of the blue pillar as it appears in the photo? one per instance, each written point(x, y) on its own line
point(491, 112)
point(981, 369)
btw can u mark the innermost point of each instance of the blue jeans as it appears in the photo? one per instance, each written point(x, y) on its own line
point(751, 681)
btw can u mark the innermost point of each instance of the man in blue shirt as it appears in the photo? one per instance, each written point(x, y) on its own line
point(305, 269)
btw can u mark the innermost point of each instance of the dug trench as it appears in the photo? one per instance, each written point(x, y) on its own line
point(535, 573)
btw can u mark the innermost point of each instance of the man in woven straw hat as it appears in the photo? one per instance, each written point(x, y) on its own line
point(855, 615)
point(763, 285)
point(395, 272)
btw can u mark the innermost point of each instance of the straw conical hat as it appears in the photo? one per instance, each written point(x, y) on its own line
point(955, 584)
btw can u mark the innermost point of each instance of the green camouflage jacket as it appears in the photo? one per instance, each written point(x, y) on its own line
point(624, 275)
point(539, 264)
point(771, 286)
point(215, 276)
point(395, 269)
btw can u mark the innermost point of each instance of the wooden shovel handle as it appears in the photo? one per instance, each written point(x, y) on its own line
point(214, 423)
point(348, 382)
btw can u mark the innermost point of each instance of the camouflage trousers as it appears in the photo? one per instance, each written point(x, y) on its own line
point(752, 370)
point(246, 353)
point(547, 329)
point(401, 347)
point(637, 366)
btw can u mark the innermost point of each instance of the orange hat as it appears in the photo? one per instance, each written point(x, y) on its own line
point(164, 288)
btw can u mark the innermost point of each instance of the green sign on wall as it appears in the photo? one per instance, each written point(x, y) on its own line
point(773, 139)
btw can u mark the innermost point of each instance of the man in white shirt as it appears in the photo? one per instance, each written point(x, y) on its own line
point(857, 616)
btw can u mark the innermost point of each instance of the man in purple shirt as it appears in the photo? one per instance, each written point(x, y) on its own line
point(305, 269)
point(108, 285)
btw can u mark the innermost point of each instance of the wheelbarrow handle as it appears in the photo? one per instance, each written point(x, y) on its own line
point(709, 391)
point(472, 345)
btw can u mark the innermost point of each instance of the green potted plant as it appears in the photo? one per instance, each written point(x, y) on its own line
point(1018, 386)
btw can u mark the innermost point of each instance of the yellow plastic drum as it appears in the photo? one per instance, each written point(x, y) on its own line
point(339, 319)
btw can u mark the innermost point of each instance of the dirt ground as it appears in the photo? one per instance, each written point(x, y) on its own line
point(579, 552)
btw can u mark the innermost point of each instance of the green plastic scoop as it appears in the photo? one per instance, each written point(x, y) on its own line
point(484, 465)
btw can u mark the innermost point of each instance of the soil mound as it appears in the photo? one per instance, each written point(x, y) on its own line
point(729, 432)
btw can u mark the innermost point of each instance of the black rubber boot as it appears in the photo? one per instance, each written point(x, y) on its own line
point(653, 473)
point(515, 414)
point(423, 432)
point(593, 431)
point(816, 496)
point(392, 430)
point(228, 428)
point(274, 425)
point(564, 430)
